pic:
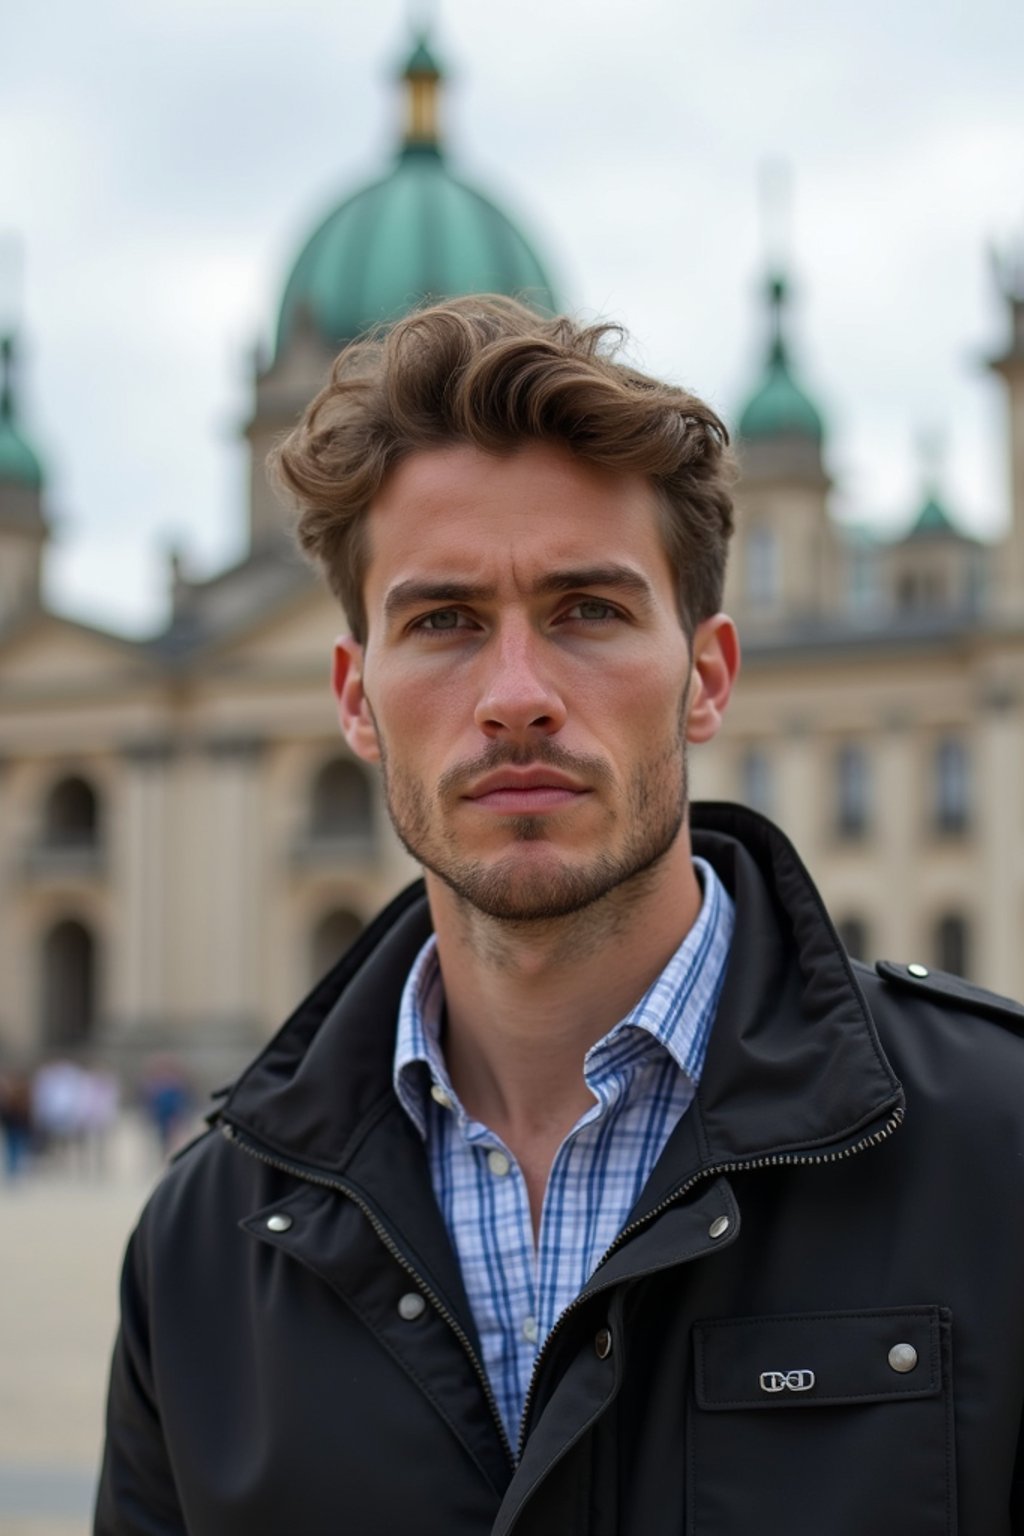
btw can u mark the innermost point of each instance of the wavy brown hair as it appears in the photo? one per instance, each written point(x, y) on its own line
point(488, 371)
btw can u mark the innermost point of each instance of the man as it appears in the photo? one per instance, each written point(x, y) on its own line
point(595, 1190)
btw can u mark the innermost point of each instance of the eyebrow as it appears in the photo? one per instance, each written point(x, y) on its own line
point(620, 578)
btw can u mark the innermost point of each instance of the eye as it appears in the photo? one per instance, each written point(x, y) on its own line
point(442, 621)
point(593, 610)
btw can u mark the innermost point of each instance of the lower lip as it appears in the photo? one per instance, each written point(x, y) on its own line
point(518, 802)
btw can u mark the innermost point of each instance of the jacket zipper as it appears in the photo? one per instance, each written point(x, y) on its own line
point(298, 1171)
point(774, 1160)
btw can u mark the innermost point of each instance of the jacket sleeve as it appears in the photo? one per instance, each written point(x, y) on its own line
point(137, 1494)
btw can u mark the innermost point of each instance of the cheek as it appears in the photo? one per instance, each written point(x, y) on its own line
point(417, 712)
point(645, 698)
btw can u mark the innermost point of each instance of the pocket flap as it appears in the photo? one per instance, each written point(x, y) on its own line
point(811, 1359)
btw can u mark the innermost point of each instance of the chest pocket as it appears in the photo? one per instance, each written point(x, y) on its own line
point(823, 1424)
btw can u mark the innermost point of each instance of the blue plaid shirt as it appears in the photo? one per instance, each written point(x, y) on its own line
point(643, 1074)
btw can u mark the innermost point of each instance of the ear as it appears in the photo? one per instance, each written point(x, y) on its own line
point(716, 662)
point(354, 714)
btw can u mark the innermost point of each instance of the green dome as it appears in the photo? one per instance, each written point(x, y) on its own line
point(779, 407)
point(932, 519)
point(18, 462)
point(419, 233)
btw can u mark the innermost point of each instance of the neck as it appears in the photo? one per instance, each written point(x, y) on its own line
point(526, 1000)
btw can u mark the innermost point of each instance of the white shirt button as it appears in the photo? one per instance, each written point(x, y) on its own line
point(530, 1330)
point(498, 1163)
point(440, 1096)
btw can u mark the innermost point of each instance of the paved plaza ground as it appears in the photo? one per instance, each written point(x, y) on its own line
point(62, 1233)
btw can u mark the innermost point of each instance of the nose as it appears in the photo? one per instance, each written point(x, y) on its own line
point(519, 696)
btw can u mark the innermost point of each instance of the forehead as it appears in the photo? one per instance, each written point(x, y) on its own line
point(456, 510)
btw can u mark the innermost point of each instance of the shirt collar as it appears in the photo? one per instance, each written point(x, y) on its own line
point(675, 1013)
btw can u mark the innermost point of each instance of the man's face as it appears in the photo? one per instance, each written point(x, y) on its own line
point(526, 682)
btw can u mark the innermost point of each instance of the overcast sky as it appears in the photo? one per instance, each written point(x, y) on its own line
point(162, 162)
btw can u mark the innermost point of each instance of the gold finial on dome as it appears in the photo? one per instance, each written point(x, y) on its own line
point(422, 79)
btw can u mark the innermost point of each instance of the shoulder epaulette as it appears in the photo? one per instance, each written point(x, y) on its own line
point(942, 987)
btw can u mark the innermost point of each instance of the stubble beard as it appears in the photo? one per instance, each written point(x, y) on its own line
point(514, 890)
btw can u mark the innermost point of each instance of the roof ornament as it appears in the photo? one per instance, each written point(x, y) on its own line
point(776, 198)
point(933, 515)
point(422, 76)
point(778, 407)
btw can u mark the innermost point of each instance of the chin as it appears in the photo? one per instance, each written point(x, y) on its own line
point(529, 890)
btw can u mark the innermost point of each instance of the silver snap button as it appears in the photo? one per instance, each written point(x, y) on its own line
point(919, 971)
point(279, 1223)
point(530, 1330)
point(903, 1358)
point(498, 1163)
point(603, 1343)
point(440, 1096)
point(719, 1227)
point(411, 1306)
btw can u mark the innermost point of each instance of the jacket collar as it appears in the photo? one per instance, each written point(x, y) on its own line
point(794, 1063)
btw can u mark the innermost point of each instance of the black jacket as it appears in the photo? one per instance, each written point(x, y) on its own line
point(842, 1201)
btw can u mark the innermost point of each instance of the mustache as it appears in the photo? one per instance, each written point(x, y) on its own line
point(593, 771)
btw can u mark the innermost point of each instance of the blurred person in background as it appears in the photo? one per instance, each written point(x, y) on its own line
point(15, 1118)
point(59, 1091)
point(168, 1099)
point(596, 1189)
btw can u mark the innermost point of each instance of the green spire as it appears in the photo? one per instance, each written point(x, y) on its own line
point(18, 462)
point(421, 61)
point(778, 407)
point(777, 294)
point(933, 517)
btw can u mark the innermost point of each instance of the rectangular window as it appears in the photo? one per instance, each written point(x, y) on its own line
point(853, 792)
point(762, 568)
point(951, 804)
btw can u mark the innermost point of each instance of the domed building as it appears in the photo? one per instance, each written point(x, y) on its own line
point(414, 235)
point(185, 840)
point(186, 843)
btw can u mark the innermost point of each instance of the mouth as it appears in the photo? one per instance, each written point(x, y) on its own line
point(527, 792)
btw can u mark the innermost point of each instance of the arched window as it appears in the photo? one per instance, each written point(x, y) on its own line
point(853, 791)
point(334, 933)
point(71, 815)
point(341, 805)
point(952, 790)
point(952, 943)
point(854, 933)
point(69, 985)
point(757, 787)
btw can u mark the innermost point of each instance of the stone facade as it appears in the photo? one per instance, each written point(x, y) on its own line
point(186, 843)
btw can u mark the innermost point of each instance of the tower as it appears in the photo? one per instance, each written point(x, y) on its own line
point(23, 529)
point(784, 566)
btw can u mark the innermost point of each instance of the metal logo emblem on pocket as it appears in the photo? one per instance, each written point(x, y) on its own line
point(786, 1381)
